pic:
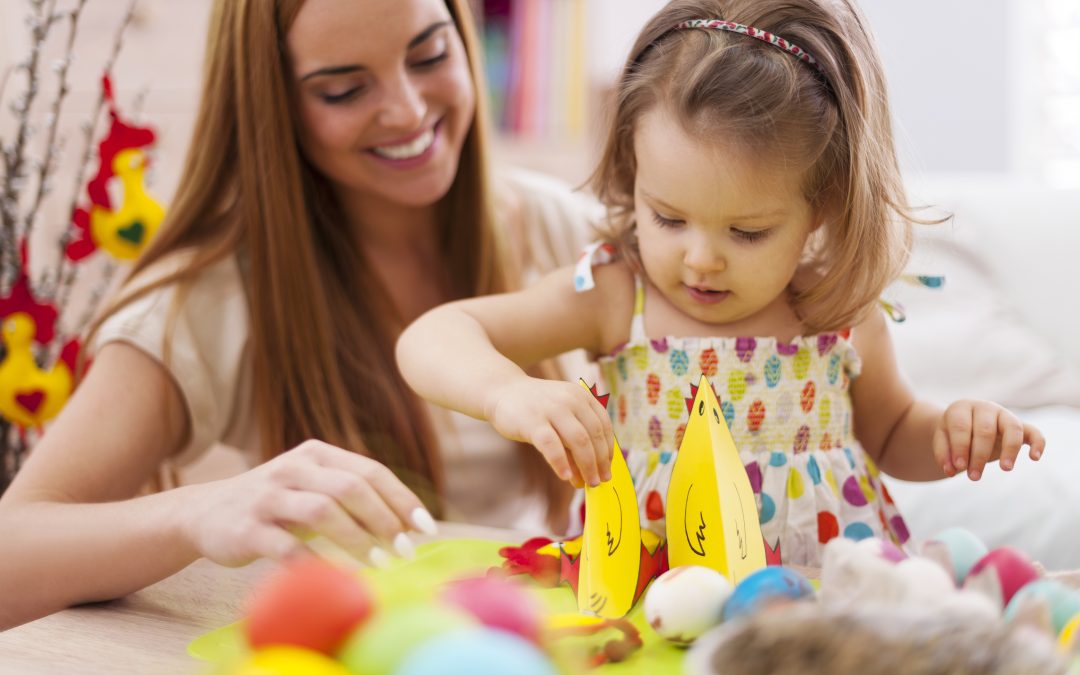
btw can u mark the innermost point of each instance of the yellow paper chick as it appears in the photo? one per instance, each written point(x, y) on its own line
point(611, 544)
point(29, 396)
point(123, 233)
point(712, 518)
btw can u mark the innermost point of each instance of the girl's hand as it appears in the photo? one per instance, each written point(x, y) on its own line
point(970, 433)
point(315, 488)
point(563, 421)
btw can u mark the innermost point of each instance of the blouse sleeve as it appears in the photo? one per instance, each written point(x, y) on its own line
point(199, 335)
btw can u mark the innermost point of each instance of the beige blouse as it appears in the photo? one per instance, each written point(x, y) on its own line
point(210, 361)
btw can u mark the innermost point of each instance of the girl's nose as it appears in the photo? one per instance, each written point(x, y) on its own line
point(403, 105)
point(704, 256)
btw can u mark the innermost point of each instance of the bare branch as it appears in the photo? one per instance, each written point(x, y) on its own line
point(46, 165)
point(60, 279)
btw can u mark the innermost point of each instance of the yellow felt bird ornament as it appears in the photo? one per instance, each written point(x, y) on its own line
point(125, 231)
point(30, 396)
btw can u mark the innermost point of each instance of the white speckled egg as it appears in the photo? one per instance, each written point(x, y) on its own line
point(685, 602)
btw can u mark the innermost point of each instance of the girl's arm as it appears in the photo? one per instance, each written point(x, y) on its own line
point(470, 356)
point(916, 440)
point(73, 533)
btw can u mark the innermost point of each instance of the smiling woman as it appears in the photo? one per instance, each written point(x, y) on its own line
point(337, 187)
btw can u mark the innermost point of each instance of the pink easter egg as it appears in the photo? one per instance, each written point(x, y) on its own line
point(1001, 573)
point(497, 603)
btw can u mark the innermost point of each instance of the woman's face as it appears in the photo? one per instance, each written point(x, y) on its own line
point(384, 96)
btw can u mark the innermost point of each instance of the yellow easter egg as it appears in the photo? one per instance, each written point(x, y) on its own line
point(800, 363)
point(824, 411)
point(736, 385)
point(285, 660)
point(1067, 636)
point(676, 404)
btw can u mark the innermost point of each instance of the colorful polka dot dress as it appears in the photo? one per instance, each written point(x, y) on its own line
point(789, 410)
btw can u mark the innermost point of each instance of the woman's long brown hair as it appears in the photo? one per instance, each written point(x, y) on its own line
point(322, 326)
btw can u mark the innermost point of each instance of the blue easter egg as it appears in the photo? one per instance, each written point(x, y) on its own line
point(479, 651)
point(765, 587)
point(772, 371)
point(1059, 601)
point(960, 548)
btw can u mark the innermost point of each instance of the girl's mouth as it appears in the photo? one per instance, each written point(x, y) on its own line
point(706, 296)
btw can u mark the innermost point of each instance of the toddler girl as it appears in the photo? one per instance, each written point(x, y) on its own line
point(756, 213)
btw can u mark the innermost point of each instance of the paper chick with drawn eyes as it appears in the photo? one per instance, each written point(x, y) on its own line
point(712, 518)
point(611, 543)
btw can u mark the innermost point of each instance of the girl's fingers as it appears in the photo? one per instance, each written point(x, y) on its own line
point(596, 422)
point(958, 429)
point(1012, 437)
point(577, 440)
point(1035, 439)
point(547, 441)
point(984, 429)
point(941, 451)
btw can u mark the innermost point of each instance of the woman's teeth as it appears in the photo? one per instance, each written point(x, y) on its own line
point(413, 148)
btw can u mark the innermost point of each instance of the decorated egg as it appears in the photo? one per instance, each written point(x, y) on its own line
point(288, 660)
point(956, 549)
point(686, 601)
point(378, 646)
point(1052, 600)
point(764, 588)
point(1001, 573)
point(478, 651)
point(1067, 638)
point(309, 603)
point(498, 603)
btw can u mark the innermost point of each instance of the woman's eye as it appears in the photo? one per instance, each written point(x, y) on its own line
point(433, 61)
point(751, 235)
point(666, 222)
point(342, 97)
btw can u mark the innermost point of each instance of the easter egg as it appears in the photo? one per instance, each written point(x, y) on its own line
point(287, 660)
point(764, 588)
point(497, 603)
point(479, 651)
point(309, 603)
point(956, 549)
point(684, 602)
point(881, 548)
point(381, 644)
point(1067, 638)
point(1001, 573)
point(1056, 602)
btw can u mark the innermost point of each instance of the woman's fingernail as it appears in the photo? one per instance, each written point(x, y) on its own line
point(379, 558)
point(422, 520)
point(1007, 465)
point(404, 546)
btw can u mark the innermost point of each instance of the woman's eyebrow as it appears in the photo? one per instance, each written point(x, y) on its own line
point(341, 70)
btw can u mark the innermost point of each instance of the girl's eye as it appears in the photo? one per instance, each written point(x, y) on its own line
point(433, 61)
point(342, 97)
point(751, 235)
point(666, 222)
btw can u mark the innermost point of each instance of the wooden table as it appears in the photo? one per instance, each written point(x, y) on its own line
point(147, 633)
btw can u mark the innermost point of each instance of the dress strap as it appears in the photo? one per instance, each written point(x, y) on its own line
point(894, 309)
point(596, 253)
point(637, 323)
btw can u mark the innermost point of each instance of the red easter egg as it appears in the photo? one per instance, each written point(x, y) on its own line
point(310, 603)
point(497, 603)
point(1001, 573)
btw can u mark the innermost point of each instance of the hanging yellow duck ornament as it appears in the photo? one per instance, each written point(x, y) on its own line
point(123, 233)
point(712, 517)
point(30, 396)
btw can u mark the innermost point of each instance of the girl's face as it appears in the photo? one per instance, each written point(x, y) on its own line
point(720, 234)
point(383, 94)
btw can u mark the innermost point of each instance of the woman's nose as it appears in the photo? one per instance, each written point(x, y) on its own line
point(403, 105)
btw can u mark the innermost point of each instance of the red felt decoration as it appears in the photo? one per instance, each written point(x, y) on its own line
point(20, 299)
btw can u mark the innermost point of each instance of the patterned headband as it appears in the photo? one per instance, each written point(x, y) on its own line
point(765, 36)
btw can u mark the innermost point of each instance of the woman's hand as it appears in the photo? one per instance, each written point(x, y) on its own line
point(563, 421)
point(315, 488)
point(971, 433)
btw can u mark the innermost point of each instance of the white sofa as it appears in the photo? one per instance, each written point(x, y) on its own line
point(1004, 327)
